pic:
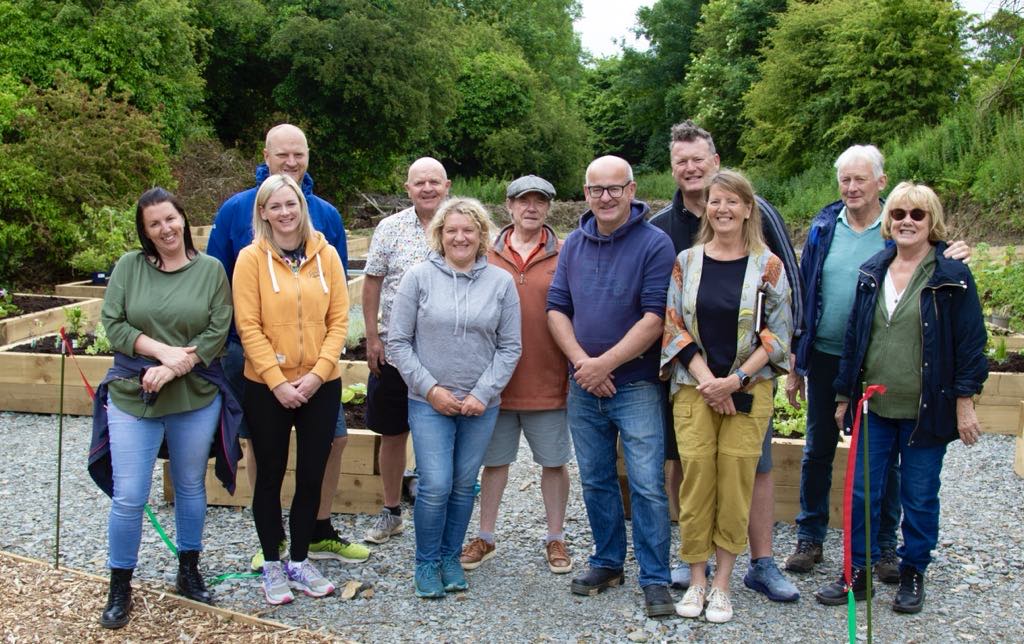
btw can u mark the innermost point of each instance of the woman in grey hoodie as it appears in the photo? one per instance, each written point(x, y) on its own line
point(455, 339)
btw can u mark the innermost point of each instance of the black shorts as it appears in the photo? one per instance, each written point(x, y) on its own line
point(387, 402)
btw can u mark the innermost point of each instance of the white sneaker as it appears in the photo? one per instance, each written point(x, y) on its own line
point(719, 607)
point(304, 576)
point(692, 603)
point(384, 526)
point(275, 584)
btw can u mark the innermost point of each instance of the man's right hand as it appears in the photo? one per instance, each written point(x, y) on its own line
point(795, 387)
point(374, 354)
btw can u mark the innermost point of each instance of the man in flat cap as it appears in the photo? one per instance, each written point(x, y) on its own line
point(533, 403)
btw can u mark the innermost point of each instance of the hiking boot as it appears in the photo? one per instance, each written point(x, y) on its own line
point(692, 603)
point(275, 584)
point(888, 567)
point(719, 610)
point(305, 577)
point(764, 577)
point(475, 553)
point(594, 580)
point(658, 601)
point(256, 563)
point(834, 594)
point(559, 561)
point(807, 554)
point(189, 582)
point(385, 526)
point(119, 599)
point(681, 574)
point(339, 549)
point(452, 577)
point(910, 596)
point(428, 580)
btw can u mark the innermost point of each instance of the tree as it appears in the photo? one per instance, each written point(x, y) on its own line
point(837, 73)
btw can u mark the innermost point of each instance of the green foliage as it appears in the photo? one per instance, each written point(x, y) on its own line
point(788, 421)
point(606, 111)
point(837, 73)
point(70, 146)
point(100, 342)
point(74, 318)
point(356, 328)
point(655, 185)
point(7, 306)
point(1000, 282)
point(106, 233)
point(354, 394)
point(486, 189)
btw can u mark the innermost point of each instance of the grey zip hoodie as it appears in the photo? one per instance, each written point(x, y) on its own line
point(457, 330)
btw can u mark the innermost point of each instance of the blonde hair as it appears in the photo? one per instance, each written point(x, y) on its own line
point(261, 229)
point(916, 195)
point(462, 206)
point(740, 186)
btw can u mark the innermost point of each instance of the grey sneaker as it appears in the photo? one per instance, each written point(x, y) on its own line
point(385, 526)
point(681, 574)
point(764, 577)
point(305, 577)
point(275, 584)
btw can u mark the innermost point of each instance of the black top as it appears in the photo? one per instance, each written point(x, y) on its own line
point(718, 310)
point(678, 223)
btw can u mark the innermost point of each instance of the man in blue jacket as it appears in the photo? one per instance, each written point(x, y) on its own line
point(606, 309)
point(285, 152)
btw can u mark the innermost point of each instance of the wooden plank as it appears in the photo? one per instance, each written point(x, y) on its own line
point(787, 504)
point(356, 494)
point(1018, 459)
point(353, 371)
point(1020, 420)
point(200, 242)
point(44, 322)
point(1010, 384)
point(355, 291)
point(361, 453)
point(83, 288)
point(201, 231)
point(358, 245)
point(998, 419)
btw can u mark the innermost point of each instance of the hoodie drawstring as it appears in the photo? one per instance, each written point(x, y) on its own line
point(273, 276)
point(320, 272)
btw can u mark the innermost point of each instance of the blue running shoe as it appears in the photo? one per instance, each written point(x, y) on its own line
point(428, 580)
point(764, 577)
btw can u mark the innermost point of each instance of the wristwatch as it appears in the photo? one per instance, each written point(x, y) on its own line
point(744, 378)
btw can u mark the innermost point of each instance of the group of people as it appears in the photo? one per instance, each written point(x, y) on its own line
point(661, 336)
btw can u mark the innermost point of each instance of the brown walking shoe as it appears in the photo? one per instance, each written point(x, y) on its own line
point(558, 557)
point(475, 553)
point(803, 559)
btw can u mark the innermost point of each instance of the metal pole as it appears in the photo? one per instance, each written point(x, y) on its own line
point(60, 454)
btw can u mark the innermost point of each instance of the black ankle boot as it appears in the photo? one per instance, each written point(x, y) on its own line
point(119, 599)
point(910, 596)
point(189, 582)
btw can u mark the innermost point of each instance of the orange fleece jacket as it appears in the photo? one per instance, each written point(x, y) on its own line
point(541, 379)
point(290, 324)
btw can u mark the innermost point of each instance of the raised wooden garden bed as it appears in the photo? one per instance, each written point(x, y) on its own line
point(998, 407)
point(83, 288)
point(355, 291)
point(358, 246)
point(21, 327)
point(1018, 459)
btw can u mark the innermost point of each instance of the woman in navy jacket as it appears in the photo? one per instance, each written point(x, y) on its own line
point(912, 307)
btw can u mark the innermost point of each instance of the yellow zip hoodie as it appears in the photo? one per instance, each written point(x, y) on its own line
point(290, 323)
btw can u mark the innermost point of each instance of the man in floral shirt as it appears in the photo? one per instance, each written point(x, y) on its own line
point(399, 242)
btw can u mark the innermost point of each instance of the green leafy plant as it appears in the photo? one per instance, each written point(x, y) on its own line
point(7, 306)
point(105, 235)
point(74, 321)
point(788, 421)
point(100, 342)
point(354, 394)
point(356, 328)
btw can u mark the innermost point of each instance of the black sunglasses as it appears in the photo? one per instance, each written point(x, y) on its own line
point(899, 214)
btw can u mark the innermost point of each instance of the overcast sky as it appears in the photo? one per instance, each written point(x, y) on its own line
point(606, 22)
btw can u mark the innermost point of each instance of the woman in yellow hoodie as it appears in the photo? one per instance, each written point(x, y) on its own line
point(291, 312)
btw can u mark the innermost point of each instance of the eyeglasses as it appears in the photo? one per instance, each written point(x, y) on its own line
point(613, 191)
point(899, 214)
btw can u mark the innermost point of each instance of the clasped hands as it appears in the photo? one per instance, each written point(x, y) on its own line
point(296, 393)
point(174, 363)
point(717, 393)
point(444, 402)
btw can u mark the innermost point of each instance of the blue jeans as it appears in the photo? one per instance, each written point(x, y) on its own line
point(134, 443)
point(636, 414)
point(449, 452)
point(819, 453)
point(919, 492)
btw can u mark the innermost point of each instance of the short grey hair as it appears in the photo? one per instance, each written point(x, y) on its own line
point(855, 153)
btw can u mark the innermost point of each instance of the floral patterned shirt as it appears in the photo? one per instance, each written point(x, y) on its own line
point(398, 243)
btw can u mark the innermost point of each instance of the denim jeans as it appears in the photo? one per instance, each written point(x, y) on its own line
point(819, 453)
point(134, 443)
point(919, 490)
point(449, 452)
point(636, 414)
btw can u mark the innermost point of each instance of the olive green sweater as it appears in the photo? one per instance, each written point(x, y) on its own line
point(187, 307)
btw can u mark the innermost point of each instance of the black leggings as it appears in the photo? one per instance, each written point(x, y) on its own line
point(270, 430)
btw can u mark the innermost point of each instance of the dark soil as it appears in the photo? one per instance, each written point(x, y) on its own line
point(40, 303)
point(50, 345)
point(355, 414)
point(358, 352)
point(1014, 363)
point(356, 264)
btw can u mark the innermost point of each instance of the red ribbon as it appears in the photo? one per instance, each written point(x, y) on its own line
point(851, 463)
point(67, 347)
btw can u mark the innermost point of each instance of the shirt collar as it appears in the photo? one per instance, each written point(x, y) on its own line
point(876, 223)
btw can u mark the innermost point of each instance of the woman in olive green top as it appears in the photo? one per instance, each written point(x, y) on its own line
point(172, 305)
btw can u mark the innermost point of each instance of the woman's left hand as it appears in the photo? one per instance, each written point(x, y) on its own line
point(717, 391)
point(967, 421)
point(156, 377)
point(308, 384)
point(471, 407)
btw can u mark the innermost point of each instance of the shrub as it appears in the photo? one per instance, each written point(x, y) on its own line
point(788, 420)
point(106, 233)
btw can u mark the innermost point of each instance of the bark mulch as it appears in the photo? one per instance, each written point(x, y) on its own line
point(41, 604)
point(39, 303)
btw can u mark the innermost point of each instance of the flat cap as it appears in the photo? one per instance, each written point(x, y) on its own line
point(530, 183)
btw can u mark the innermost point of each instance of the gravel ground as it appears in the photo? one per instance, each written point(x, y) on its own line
point(975, 584)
